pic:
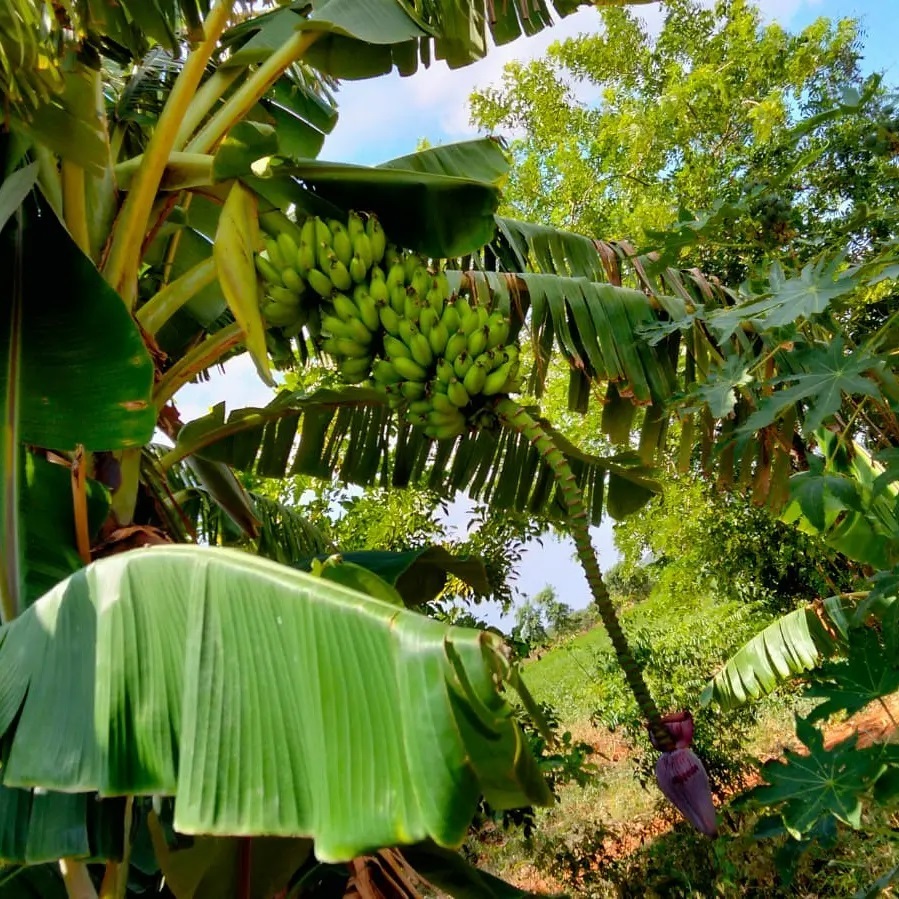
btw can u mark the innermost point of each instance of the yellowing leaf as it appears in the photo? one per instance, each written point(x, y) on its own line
point(236, 239)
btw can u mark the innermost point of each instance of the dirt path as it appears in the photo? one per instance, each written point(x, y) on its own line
point(875, 724)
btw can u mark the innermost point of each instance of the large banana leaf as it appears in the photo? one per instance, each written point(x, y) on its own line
point(265, 700)
point(419, 575)
point(367, 38)
point(431, 212)
point(86, 376)
point(352, 435)
point(793, 644)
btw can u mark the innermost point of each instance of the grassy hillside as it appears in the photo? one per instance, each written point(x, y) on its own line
point(615, 836)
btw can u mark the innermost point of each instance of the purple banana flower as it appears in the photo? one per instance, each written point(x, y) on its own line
point(682, 777)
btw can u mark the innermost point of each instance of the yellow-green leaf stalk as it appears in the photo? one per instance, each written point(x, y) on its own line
point(121, 265)
point(160, 308)
point(251, 91)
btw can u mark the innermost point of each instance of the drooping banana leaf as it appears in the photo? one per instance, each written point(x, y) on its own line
point(419, 575)
point(367, 38)
point(793, 644)
point(352, 435)
point(264, 700)
point(38, 826)
point(594, 326)
point(86, 376)
point(423, 209)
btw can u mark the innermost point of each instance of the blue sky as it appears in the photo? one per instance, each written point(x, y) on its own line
point(387, 117)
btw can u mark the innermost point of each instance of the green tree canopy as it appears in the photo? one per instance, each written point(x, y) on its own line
point(617, 130)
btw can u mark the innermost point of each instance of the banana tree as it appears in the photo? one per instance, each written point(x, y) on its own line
point(201, 711)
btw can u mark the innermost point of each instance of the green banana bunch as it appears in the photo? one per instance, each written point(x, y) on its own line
point(389, 320)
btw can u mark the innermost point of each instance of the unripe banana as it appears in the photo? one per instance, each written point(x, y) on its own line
point(355, 371)
point(344, 346)
point(319, 282)
point(355, 225)
point(333, 326)
point(496, 380)
point(389, 320)
point(377, 287)
point(474, 379)
point(470, 322)
point(445, 371)
point(358, 331)
point(287, 247)
point(274, 254)
point(435, 386)
point(497, 331)
point(358, 269)
point(291, 280)
point(340, 241)
point(284, 296)
point(421, 349)
point(305, 257)
point(368, 308)
point(442, 402)
point(392, 253)
point(450, 319)
point(396, 277)
point(421, 280)
point(279, 315)
point(438, 419)
point(419, 406)
point(444, 432)
point(427, 318)
point(398, 300)
point(384, 373)
point(455, 345)
point(307, 232)
point(477, 342)
point(414, 390)
point(267, 271)
point(462, 364)
point(339, 275)
point(410, 263)
point(377, 237)
point(438, 338)
point(462, 308)
point(483, 316)
point(396, 349)
point(325, 256)
point(362, 248)
point(409, 369)
point(412, 305)
point(457, 394)
point(344, 307)
point(435, 299)
point(322, 232)
point(407, 329)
